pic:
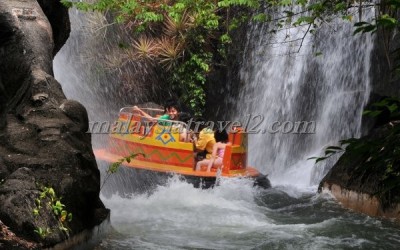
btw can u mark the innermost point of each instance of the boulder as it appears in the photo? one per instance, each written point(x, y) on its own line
point(44, 139)
point(366, 177)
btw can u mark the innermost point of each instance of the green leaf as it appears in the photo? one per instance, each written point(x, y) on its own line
point(301, 2)
point(360, 24)
point(304, 19)
point(288, 13)
point(372, 113)
point(62, 228)
point(369, 28)
point(318, 6)
point(335, 148)
point(285, 2)
point(347, 17)
point(260, 17)
point(382, 103)
point(387, 21)
point(341, 6)
point(225, 38)
point(393, 108)
point(320, 159)
point(318, 53)
point(63, 215)
point(69, 217)
point(51, 192)
point(35, 212)
point(330, 152)
point(67, 3)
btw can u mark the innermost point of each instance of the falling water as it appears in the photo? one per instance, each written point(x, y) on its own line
point(291, 77)
point(95, 68)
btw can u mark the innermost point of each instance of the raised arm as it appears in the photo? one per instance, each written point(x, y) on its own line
point(142, 113)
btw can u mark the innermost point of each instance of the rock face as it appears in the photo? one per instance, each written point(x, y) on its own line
point(361, 202)
point(43, 139)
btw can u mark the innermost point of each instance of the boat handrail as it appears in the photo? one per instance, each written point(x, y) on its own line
point(130, 109)
point(159, 120)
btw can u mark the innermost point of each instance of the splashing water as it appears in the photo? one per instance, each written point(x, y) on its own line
point(235, 215)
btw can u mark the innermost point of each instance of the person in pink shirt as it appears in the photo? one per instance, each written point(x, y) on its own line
point(222, 139)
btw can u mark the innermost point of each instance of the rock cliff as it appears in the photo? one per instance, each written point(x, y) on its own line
point(43, 139)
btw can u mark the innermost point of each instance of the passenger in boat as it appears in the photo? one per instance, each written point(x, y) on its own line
point(222, 139)
point(204, 143)
point(171, 110)
point(183, 130)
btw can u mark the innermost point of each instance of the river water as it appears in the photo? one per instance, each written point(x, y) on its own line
point(283, 85)
point(235, 215)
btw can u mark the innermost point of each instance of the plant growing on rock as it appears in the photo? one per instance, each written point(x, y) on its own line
point(48, 200)
point(42, 232)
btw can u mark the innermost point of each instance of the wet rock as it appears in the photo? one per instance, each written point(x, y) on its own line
point(3, 171)
point(59, 20)
point(77, 113)
point(9, 241)
point(43, 136)
point(368, 173)
point(39, 99)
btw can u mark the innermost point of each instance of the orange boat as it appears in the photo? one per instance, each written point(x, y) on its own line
point(160, 150)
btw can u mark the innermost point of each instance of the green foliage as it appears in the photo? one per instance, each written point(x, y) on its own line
point(67, 3)
point(356, 146)
point(198, 65)
point(193, 31)
point(196, 28)
point(329, 151)
point(113, 168)
point(387, 104)
point(364, 27)
point(43, 233)
point(380, 155)
point(262, 17)
point(48, 197)
point(246, 3)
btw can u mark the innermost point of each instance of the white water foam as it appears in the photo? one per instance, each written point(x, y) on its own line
point(177, 212)
point(232, 216)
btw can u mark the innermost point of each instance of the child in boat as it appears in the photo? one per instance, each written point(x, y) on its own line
point(204, 143)
point(222, 139)
point(171, 110)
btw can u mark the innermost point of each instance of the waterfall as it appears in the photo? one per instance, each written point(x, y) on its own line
point(95, 67)
point(288, 77)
